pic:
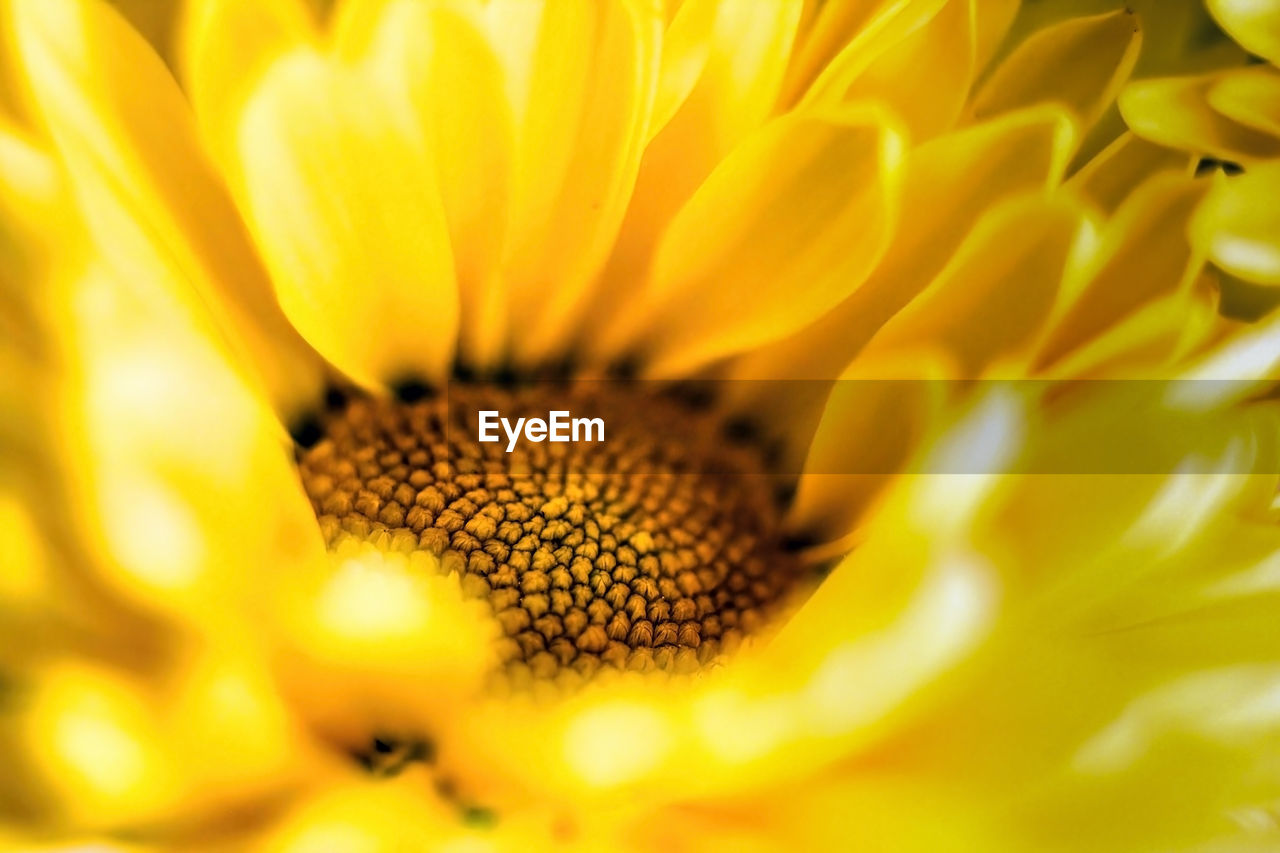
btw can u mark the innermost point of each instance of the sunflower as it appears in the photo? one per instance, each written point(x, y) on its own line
point(938, 510)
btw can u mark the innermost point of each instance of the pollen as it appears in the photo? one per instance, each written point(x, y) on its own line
point(659, 549)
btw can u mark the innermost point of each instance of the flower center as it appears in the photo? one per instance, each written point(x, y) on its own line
point(657, 548)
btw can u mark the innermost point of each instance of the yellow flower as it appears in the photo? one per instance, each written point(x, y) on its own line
point(876, 569)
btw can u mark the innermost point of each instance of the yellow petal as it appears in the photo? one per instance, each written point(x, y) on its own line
point(994, 18)
point(830, 31)
point(993, 298)
point(1255, 24)
point(345, 209)
point(1149, 342)
point(1243, 363)
point(225, 48)
point(1108, 178)
point(372, 816)
point(26, 577)
point(735, 92)
point(1239, 225)
point(438, 54)
point(122, 128)
point(1250, 96)
point(230, 730)
point(1175, 112)
point(31, 190)
point(176, 464)
point(796, 217)
point(1080, 63)
point(1144, 255)
point(95, 742)
point(976, 169)
point(153, 19)
point(582, 128)
point(686, 46)
point(872, 422)
point(925, 76)
point(376, 640)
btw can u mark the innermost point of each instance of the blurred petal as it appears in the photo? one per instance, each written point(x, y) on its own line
point(378, 640)
point(96, 742)
point(1253, 23)
point(1239, 225)
point(177, 465)
point(121, 127)
point(226, 47)
point(363, 817)
point(1250, 96)
point(865, 645)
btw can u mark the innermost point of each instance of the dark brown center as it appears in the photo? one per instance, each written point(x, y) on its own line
point(659, 547)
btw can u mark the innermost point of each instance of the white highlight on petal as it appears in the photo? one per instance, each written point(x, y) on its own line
point(610, 744)
point(150, 531)
point(364, 601)
point(1233, 705)
point(864, 679)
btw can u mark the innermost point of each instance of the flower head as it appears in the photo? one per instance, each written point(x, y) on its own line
point(936, 509)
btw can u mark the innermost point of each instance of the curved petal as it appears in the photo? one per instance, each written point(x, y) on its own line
point(977, 169)
point(1150, 341)
point(885, 28)
point(994, 18)
point(686, 49)
point(179, 470)
point(925, 76)
point(872, 423)
point(583, 120)
point(156, 211)
point(1255, 24)
point(797, 217)
point(347, 216)
point(1128, 162)
point(1250, 96)
point(735, 92)
point(1144, 255)
point(225, 48)
point(378, 640)
point(1175, 111)
point(1100, 52)
point(993, 298)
